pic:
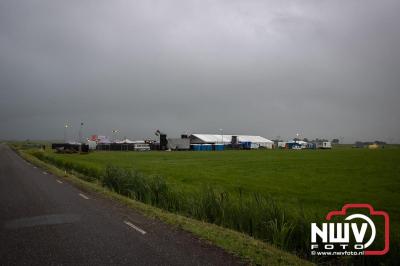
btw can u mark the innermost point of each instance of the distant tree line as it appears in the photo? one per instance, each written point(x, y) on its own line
point(365, 143)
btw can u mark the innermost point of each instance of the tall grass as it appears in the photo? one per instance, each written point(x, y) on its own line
point(254, 214)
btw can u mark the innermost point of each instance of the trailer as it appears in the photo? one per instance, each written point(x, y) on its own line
point(326, 145)
point(141, 147)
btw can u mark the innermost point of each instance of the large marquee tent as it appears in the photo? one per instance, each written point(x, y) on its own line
point(256, 141)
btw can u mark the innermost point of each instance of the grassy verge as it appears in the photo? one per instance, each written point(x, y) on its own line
point(251, 250)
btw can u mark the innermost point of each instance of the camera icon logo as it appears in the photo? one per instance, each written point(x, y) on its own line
point(349, 237)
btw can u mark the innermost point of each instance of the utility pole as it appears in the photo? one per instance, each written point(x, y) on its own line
point(66, 126)
point(80, 132)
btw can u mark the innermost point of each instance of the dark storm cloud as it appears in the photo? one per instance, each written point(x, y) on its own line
point(321, 68)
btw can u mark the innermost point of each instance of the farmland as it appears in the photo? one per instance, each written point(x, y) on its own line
point(316, 180)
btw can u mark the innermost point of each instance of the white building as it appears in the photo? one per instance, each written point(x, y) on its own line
point(326, 145)
point(282, 144)
point(256, 141)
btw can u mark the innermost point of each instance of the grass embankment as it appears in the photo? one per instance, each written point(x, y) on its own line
point(248, 249)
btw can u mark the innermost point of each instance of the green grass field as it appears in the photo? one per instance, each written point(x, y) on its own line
point(318, 180)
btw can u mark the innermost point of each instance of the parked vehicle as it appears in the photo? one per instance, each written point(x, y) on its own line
point(141, 147)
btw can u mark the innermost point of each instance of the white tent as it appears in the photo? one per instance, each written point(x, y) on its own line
point(125, 141)
point(256, 141)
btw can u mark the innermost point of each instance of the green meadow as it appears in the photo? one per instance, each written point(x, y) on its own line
point(316, 180)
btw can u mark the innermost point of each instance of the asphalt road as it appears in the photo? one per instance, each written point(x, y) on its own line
point(47, 221)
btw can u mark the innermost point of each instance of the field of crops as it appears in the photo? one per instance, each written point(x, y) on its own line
point(269, 194)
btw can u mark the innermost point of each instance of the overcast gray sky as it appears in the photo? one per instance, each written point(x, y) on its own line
point(320, 68)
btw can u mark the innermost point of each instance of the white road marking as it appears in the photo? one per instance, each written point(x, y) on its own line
point(34, 167)
point(59, 181)
point(83, 196)
point(44, 173)
point(135, 227)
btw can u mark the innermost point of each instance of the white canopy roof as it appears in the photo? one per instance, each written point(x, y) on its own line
point(215, 138)
point(124, 141)
point(128, 141)
point(301, 142)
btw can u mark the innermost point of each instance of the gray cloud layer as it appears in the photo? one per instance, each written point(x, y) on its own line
point(321, 68)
